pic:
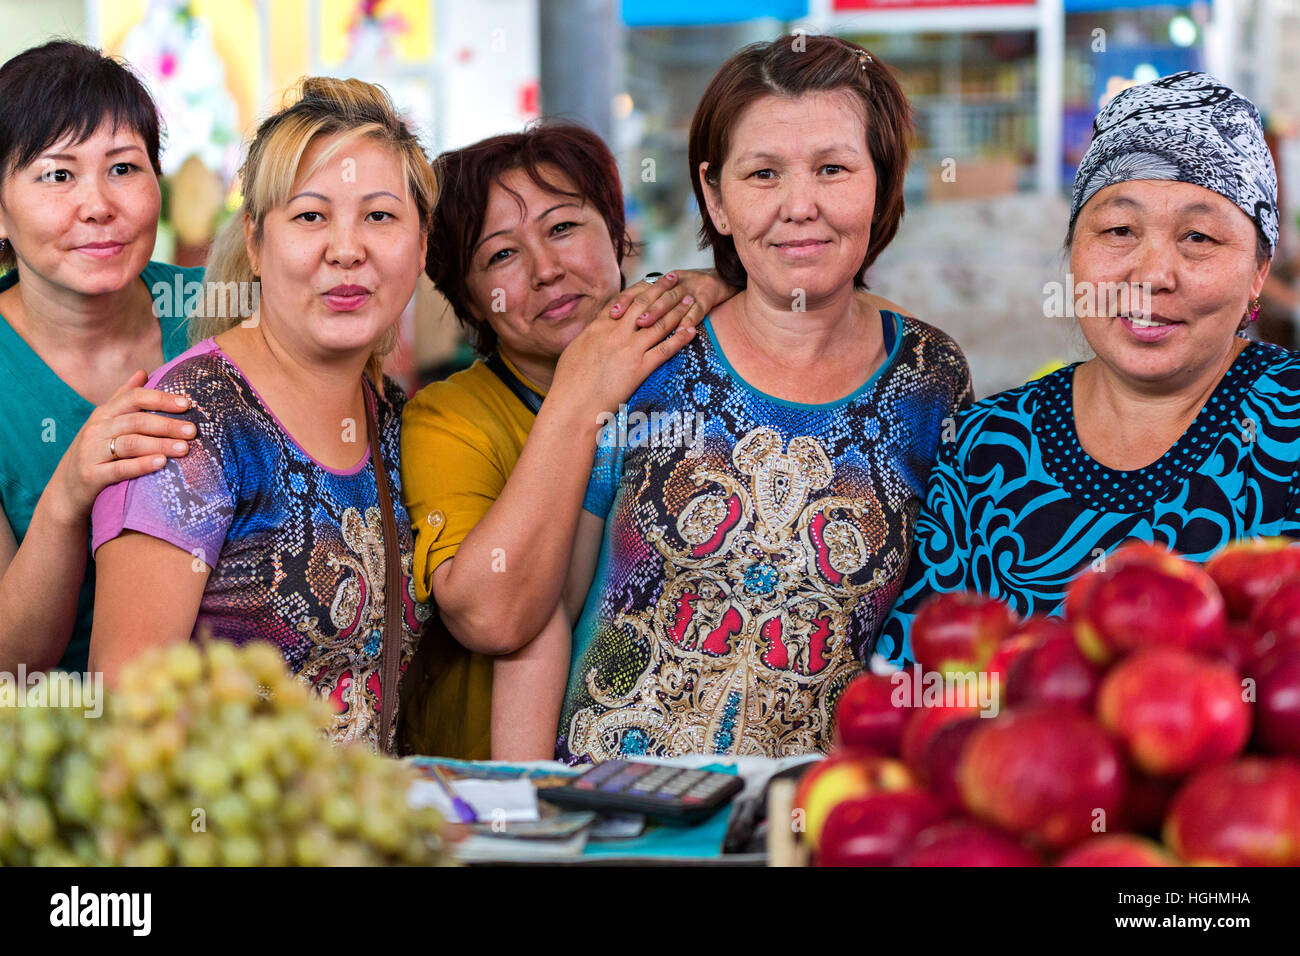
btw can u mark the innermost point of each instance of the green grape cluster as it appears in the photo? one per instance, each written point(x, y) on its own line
point(205, 756)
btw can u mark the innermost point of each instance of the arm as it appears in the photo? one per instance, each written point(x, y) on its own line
point(528, 691)
point(508, 574)
point(528, 685)
point(51, 561)
point(130, 619)
point(582, 565)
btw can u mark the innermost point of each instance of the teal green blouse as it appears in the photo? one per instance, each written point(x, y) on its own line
point(40, 414)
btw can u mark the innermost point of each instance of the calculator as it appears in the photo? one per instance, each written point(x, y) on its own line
point(667, 794)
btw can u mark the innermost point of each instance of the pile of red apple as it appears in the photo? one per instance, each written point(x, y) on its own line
point(1158, 724)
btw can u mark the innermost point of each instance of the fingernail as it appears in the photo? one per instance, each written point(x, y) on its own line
point(159, 461)
point(618, 307)
point(688, 299)
point(183, 401)
point(179, 447)
point(645, 315)
point(671, 275)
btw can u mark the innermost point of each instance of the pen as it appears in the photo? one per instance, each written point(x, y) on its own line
point(463, 809)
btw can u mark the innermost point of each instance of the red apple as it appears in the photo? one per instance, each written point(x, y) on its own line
point(939, 759)
point(922, 727)
point(1146, 597)
point(841, 777)
point(1054, 672)
point(1174, 711)
point(867, 717)
point(1277, 707)
point(1276, 621)
point(1243, 813)
point(1118, 849)
point(1042, 772)
point(964, 843)
point(959, 631)
point(871, 831)
point(1247, 570)
point(1008, 652)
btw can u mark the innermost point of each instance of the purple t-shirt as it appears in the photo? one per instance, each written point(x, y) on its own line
point(296, 548)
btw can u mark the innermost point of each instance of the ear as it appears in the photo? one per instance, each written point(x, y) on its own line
point(1261, 274)
point(713, 199)
point(250, 244)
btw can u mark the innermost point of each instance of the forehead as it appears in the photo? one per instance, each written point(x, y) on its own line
point(340, 161)
point(528, 199)
point(104, 137)
point(798, 124)
point(1155, 198)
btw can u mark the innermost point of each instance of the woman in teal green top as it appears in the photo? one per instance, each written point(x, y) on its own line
point(83, 314)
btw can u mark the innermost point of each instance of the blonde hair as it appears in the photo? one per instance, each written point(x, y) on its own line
point(318, 106)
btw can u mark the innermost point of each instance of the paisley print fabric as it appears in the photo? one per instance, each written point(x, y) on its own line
point(295, 548)
point(1017, 509)
point(750, 554)
point(1189, 128)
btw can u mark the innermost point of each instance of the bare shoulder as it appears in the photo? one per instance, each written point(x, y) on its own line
point(880, 302)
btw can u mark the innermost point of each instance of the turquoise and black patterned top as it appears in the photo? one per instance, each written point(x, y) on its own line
point(1016, 508)
point(751, 551)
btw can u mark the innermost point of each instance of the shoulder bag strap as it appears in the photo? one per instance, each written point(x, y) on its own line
point(532, 401)
point(390, 660)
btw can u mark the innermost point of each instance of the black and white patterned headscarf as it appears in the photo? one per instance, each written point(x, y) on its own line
point(1186, 128)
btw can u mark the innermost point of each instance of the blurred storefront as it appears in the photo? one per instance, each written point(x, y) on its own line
point(1004, 92)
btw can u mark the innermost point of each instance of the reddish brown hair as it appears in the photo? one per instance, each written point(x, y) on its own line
point(792, 66)
point(467, 176)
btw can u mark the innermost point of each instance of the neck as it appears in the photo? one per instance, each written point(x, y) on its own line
point(1146, 407)
point(538, 369)
point(330, 386)
point(787, 338)
point(75, 322)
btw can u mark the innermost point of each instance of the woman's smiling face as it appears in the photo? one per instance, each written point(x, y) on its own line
point(796, 192)
point(543, 265)
point(1191, 249)
point(84, 216)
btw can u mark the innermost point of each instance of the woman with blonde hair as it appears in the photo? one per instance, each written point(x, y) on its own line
point(285, 521)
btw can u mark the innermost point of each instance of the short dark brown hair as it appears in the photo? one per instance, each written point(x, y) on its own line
point(467, 176)
point(63, 89)
point(792, 66)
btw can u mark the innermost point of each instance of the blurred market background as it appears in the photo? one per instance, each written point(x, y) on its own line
point(1004, 93)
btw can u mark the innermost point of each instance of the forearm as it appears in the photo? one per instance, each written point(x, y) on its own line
point(39, 589)
point(528, 692)
point(508, 573)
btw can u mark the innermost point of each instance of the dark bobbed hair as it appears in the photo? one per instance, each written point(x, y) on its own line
point(64, 89)
point(467, 176)
point(794, 65)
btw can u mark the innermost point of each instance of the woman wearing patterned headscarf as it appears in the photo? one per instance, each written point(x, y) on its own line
point(1179, 431)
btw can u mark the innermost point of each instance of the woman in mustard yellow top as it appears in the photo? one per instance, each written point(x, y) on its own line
point(526, 244)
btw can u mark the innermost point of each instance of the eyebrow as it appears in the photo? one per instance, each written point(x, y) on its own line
point(1196, 207)
point(112, 152)
point(366, 198)
point(540, 216)
point(773, 157)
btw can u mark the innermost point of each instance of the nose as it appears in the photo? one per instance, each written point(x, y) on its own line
point(798, 199)
point(547, 267)
point(345, 249)
point(94, 205)
point(1156, 263)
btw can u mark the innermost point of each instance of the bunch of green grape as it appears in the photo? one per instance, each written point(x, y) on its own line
point(48, 786)
point(205, 756)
